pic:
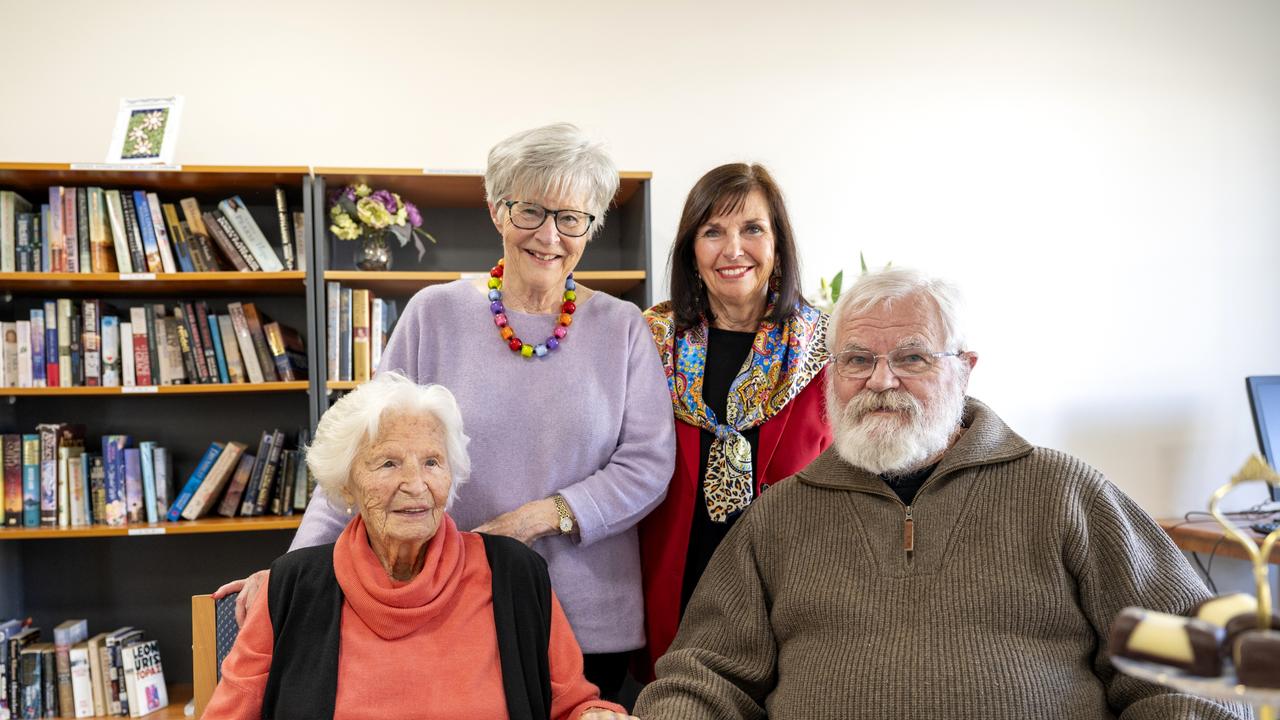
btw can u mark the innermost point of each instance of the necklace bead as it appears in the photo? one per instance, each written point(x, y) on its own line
point(500, 320)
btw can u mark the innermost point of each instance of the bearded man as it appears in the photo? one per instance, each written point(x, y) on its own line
point(931, 564)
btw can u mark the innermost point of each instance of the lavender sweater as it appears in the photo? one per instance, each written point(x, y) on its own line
point(592, 421)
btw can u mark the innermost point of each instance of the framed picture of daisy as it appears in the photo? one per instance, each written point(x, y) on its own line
point(146, 131)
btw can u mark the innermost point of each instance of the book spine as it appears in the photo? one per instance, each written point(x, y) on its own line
point(137, 253)
point(198, 348)
point(200, 323)
point(51, 375)
point(119, 236)
point(149, 314)
point(141, 360)
point(30, 480)
point(360, 335)
point(22, 353)
point(37, 348)
point(22, 240)
point(183, 335)
point(223, 242)
point(156, 219)
point(231, 349)
point(142, 209)
point(191, 213)
point(97, 488)
point(193, 482)
point(275, 342)
point(333, 303)
point(82, 230)
point(344, 336)
point(248, 503)
point(300, 239)
point(115, 512)
point(110, 351)
point(128, 374)
point(178, 237)
point(48, 474)
point(160, 464)
point(135, 498)
point(270, 471)
point(53, 228)
point(102, 257)
point(92, 343)
point(81, 683)
point(235, 211)
point(286, 234)
point(244, 341)
point(69, 229)
point(219, 355)
point(235, 240)
point(265, 363)
point(77, 347)
point(65, 378)
point(11, 447)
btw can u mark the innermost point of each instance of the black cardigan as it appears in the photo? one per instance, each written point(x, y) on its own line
point(306, 617)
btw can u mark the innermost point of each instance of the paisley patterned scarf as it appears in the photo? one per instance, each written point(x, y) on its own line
point(784, 358)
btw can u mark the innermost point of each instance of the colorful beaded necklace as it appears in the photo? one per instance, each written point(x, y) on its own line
point(509, 335)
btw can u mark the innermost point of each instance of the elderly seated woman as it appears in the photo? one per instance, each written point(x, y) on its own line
point(404, 616)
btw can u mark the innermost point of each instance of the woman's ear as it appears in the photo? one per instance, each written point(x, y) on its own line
point(494, 212)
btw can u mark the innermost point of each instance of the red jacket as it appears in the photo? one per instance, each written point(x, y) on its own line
point(788, 441)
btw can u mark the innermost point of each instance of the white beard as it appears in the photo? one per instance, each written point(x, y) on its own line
point(899, 443)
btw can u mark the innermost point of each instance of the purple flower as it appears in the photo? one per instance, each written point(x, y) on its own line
point(415, 217)
point(387, 200)
point(349, 192)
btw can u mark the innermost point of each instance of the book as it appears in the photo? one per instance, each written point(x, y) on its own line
point(150, 313)
point(51, 374)
point(65, 377)
point(300, 239)
point(193, 482)
point(92, 342)
point(37, 347)
point(115, 493)
point(191, 213)
point(119, 238)
point(32, 681)
point(177, 329)
point(162, 235)
point(49, 433)
point(11, 204)
point(270, 475)
point(11, 463)
point(128, 377)
point(360, 335)
point(19, 641)
point(229, 241)
point(244, 340)
point(175, 363)
point(214, 482)
point(65, 635)
point(141, 352)
point(135, 499)
point(151, 246)
point(219, 355)
point(102, 258)
point(301, 480)
point(53, 229)
point(70, 442)
point(8, 629)
point(265, 363)
point(181, 251)
point(235, 489)
point(133, 233)
point(286, 234)
point(76, 346)
point(82, 230)
point(146, 457)
point(231, 349)
point(288, 352)
point(191, 320)
point(70, 228)
point(248, 502)
point(8, 354)
point(31, 480)
point(96, 673)
point(144, 678)
point(81, 682)
point(200, 323)
point(97, 487)
point(116, 642)
point(110, 351)
point(333, 306)
point(78, 500)
point(282, 498)
point(163, 471)
point(234, 210)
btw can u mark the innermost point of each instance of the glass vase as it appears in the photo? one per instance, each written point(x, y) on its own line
point(373, 252)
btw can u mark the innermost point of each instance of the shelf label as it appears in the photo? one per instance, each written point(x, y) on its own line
point(146, 531)
point(137, 276)
point(128, 167)
point(452, 171)
point(139, 389)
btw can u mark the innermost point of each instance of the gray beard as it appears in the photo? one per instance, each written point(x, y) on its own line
point(894, 445)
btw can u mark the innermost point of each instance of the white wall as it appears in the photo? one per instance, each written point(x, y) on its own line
point(1102, 177)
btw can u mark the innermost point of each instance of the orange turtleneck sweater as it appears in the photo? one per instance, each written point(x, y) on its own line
point(422, 649)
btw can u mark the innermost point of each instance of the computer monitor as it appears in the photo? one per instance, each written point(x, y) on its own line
point(1264, 400)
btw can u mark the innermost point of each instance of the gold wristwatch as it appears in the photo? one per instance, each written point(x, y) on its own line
point(566, 525)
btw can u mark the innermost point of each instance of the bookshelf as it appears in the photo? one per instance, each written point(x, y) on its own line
point(145, 574)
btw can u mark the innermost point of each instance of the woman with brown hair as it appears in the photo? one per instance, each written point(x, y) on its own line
point(744, 356)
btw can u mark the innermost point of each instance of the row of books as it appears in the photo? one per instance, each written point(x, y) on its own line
point(50, 480)
point(116, 673)
point(231, 481)
point(89, 229)
point(75, 343)
point(359, 325)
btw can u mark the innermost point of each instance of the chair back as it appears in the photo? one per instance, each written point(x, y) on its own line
point(213, 632)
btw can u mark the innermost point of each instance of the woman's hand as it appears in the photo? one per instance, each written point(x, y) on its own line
point(248, 589)
point(526, 523)
point(599, 714)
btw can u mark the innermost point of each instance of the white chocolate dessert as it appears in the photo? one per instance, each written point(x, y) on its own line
point(1189, 644)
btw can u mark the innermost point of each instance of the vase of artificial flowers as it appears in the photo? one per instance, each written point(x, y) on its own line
point(375, 217)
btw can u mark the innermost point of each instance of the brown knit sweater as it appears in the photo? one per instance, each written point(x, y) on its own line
point(812, 608)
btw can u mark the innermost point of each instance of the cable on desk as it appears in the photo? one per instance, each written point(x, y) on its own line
point(1251, 513)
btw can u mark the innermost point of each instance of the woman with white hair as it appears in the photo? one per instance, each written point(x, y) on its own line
point(357, 627)
point(560, 386)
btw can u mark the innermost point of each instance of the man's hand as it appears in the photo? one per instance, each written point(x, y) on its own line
point(248, 589)
point(526, 523)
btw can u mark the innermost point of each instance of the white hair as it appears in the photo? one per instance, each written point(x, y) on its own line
point(354, 420)
point(554, 160)
point(885, 286)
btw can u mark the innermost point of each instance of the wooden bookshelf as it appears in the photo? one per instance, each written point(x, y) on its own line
point(132, 284)
point(614, 282)
point(264, 387)
point(179, 694)
point(183, 180)
point(334, 385)
point(186, 527)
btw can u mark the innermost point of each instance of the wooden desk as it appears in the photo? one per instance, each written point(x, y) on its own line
point(1203, 536)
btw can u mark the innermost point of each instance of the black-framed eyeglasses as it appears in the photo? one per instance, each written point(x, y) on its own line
point(530, 216)
point(903, 362)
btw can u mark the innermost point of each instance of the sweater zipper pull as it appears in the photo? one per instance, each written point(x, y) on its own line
point(909, 533)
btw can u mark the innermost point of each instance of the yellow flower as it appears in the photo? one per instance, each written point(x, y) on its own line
point(401, 215)
point(335, 212)
point(372, 213)
point(362, 190)
point(344, 228)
